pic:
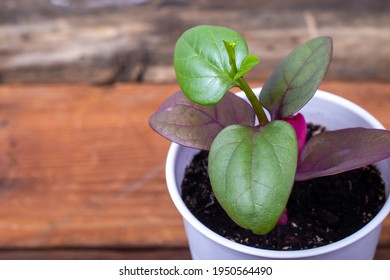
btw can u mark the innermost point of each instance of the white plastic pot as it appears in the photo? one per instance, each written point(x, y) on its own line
point(327, 109)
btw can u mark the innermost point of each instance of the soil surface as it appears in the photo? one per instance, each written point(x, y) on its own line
point(320, 211)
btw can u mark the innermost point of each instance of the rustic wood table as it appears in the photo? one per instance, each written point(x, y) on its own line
point(82, 174)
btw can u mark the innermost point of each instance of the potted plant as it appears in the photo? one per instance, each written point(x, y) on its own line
point(255, 157)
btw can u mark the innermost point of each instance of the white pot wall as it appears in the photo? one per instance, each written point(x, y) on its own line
point(327, 109)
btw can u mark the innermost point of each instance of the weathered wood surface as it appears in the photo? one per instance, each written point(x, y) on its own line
point(93, 41)
point(82, 174)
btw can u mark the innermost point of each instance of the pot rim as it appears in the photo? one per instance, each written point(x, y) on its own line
point(173, 189)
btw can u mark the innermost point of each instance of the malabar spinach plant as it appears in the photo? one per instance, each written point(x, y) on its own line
point(253, 164)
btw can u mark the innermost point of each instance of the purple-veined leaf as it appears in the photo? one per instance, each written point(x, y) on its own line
point(184, 122)
point(342, 150)
point(296, 79)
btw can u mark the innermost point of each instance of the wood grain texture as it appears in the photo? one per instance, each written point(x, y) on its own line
point(97, 254)
point(80, 169)
point(118, 42)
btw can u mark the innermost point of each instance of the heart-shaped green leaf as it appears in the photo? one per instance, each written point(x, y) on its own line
point(184, 122)
point(252, 172)
point(296, 79)
point(202, 63)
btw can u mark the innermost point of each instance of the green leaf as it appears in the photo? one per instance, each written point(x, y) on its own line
point(247, 64)
point(296, 79)
point(252, 172)
point(202, 62)
point(230, 49)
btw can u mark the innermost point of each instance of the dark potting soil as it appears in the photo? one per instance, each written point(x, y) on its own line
point(320, 211)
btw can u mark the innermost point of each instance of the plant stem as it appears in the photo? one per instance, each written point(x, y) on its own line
point(259, 111)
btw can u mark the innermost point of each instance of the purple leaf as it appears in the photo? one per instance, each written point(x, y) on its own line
point(283, 220)
point(337, 151)
point(298, 122)
point(184, 122)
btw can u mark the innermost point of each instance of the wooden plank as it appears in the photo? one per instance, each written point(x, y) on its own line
point(80, 167)
point(97, 254)
point(77, 44)
point(382, 253)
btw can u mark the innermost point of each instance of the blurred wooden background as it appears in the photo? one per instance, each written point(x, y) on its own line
point(81, 172)
point(79, 41)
